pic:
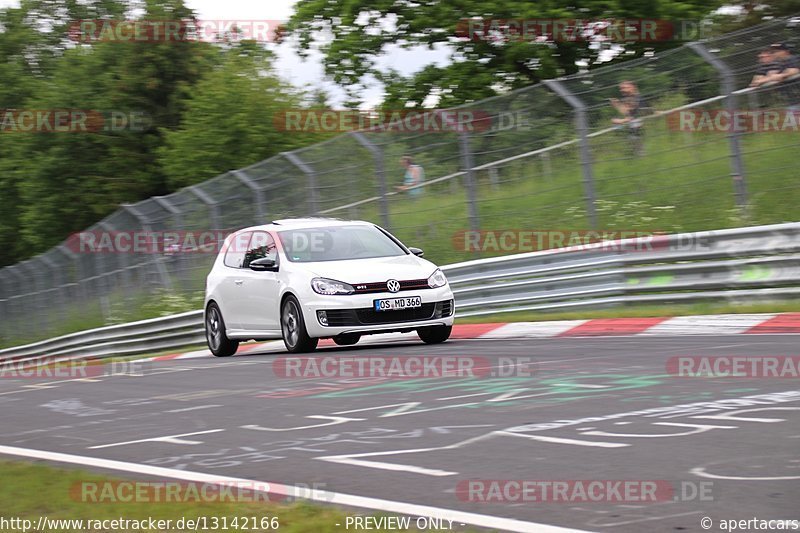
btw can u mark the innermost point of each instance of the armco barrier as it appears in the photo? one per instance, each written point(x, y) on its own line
point(759, 263)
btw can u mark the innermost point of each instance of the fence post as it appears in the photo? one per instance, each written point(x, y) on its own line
point(258, 194)
point(5, 306)
point(469, 180)
point(582, 125)
point(380, 174)
point(35, 295)
point(312, 180)
point(19, 310)
point(122, 257)
point(147, 226)
point(56, 276)
point(213, 206)
point(728, 83)
point(180, 258)
point(74, 279)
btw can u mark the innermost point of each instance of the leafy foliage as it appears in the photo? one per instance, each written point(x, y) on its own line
point(202, 109)
point(363, 29)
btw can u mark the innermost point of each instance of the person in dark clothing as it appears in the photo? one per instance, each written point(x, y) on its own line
point(788, 66)
point(766, 68)
point(629, 105)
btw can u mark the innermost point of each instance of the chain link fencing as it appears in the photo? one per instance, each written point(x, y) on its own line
point(543, 157)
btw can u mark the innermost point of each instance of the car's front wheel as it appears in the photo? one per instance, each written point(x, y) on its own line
point(434, 334)
point(293, 328)
point(218, 342)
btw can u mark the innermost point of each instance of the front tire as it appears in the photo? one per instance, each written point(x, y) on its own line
point(348, 339)
point(434, 334)
point(218, 342)
point(293, 328)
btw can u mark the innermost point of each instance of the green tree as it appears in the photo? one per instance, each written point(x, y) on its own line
point(67, 181)
point(363, 29)
point(231, 118)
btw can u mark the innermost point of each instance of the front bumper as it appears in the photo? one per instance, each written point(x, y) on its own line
point(355, 313)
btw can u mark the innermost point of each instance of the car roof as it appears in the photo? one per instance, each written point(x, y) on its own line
point(303, 223)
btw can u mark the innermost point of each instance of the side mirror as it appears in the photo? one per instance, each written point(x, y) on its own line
point(265, 264)
point(416, 251)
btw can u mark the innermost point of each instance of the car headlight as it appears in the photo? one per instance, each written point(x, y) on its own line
point(437, 279)
point(331, 286)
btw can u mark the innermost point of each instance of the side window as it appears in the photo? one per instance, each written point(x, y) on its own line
point(261, 245)
point(234, 256)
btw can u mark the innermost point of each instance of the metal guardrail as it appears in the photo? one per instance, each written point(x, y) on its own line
point(737, 265)
point(125, 339)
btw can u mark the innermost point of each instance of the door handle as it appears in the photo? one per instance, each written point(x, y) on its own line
point(238, 281)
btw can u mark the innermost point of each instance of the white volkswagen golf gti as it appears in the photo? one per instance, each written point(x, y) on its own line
point(312, 278)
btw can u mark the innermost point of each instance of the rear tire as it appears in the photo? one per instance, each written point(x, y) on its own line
point(293, 328)
point(348, 339)
point(434, 334)
point(218, 342)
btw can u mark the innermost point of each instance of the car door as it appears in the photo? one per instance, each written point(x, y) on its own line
point(261, 288)
point(231, 286)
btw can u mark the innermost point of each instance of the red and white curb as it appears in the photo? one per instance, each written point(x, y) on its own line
point(764, 323)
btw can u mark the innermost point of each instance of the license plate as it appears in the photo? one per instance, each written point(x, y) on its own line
point(395, 304)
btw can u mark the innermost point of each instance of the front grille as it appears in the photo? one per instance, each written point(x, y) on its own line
point(380, 286)
point(368, 316)
point(371, 316)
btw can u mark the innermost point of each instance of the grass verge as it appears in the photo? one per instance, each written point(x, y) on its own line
point(30, 491)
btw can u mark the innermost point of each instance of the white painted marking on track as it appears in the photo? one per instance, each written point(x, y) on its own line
point(347, 500)
point(701, 472)
point(334, 420)
point(352, 458)
point(576, 385)
point(172, 439)
point(560, 440)
point(522, 330)
point(697, 429)
point(194, 408)
point(707, 325)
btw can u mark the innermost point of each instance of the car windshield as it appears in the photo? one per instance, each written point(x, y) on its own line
point(337, 243)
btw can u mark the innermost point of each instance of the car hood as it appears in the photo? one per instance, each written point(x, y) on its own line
point(373, 270)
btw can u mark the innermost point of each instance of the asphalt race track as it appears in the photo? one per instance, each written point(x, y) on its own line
point(415, 441)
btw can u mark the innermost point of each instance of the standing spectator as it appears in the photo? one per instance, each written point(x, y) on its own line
point(629, 106)
point(414, 175)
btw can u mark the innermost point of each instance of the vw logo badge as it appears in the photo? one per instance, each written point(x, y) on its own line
point(393, 285)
